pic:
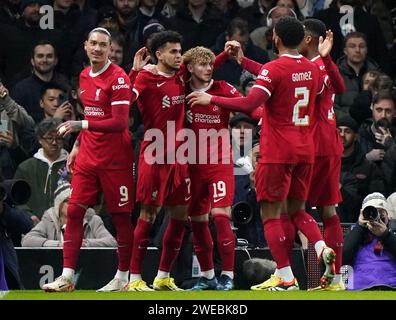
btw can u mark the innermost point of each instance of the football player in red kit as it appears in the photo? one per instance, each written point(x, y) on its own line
point(324, 192)
point(101, 159)
point(212, 175)
point(288, 86)
point(162, 180)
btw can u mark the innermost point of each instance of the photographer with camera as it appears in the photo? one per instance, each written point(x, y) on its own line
point(13, 223)
point(17, 138)
point(370, 247)
point(376, 135)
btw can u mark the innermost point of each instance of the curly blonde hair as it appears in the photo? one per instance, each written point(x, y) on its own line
point(198, 55)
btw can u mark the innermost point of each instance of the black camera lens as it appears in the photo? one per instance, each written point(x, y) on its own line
point(241, 213)
point(370, 213)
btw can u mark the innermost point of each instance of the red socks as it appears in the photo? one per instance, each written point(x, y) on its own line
point(225, 241)
point(172, 242)
point(334, 238)
point(73, 235)
point(307, 225)
point(123, 225)
point(203, 244)
point(140, 243)
point(289, 230)
point(277, 242)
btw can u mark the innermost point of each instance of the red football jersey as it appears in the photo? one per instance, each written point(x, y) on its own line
point(213, 117)
point(100, 92)
point(325, 134)
point(286, 134)
point(161, 102)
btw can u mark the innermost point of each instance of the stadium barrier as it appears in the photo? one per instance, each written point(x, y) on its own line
point(97, 266)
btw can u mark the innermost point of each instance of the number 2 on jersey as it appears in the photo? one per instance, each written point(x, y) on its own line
point(301, 103)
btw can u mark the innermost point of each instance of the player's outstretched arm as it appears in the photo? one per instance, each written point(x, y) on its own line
point(256, 98)
point(324, 47)
point(234, 50)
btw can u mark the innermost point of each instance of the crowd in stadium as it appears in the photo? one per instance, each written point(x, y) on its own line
point(43, 76)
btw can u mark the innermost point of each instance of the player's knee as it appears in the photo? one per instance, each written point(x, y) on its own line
point(148, 213)
point(76, 211)
point(327, 212)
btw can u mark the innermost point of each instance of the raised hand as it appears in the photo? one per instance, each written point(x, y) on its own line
point(199, 98)
point(325, 45)
point(68, 127)
point(234, 50)
point(139, 61)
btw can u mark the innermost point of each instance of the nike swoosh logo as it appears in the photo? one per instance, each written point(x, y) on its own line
point(160, 84)
point(227, 243)
point(123, 204)
point(187, 198)
point(217, 200)
point(82, 91)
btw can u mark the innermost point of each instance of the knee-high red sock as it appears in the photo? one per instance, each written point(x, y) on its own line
point(141, 237)
point(73, 235)
point(276, 241)
point(203, 244)
point(225, 241)
point(123, 225)
point(308, 226)
point(290, 231)
point(334, 238)
point(172, 242)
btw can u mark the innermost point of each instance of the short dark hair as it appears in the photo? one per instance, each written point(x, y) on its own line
point(355, 34)
point(315, 28)
point(290, 31)
point(382, 82)
point(160, 39)
point(42, 42)
point(50, 85)
point(385, 95)
point(47, 125)
point(119, 38)
point(237, 24)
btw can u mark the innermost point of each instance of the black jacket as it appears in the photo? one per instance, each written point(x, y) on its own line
point(355, 238)
point(363, 22)
point(197, 34)
point(359, 177)
point(13, 223)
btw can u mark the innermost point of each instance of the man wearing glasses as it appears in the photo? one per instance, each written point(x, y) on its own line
point(41, 171)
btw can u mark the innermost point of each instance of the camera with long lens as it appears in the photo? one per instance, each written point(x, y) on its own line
point(241, 213)
point(15, 192)
point(371, 213)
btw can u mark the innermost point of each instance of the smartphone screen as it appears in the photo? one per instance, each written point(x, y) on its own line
point(3, 125)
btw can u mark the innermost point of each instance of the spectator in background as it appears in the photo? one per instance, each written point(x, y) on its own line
point(170, 8)
point(376, 135)
point(237, 30)
point(49, 231)
point(9, 11)
point(359, 176)
point(19, 39)
point(198, 22)
point(363, 22)
point(353, 65)
point(27, 92)
point(228, 8)
point(42, 170)
point(262, 36)
point(128, 17)
point(246, 82)
point(17, 137)
point(55, 104)
point(370, 248)
point(373, 82)
point(256, 14)
point(13, 222)
point(117, 49)
point(107, 18)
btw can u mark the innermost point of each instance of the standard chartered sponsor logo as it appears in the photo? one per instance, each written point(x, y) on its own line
point(94, 111)
point(207, 118)
point(167, 102)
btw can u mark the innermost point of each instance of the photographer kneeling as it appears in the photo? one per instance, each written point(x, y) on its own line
point(370, 247)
